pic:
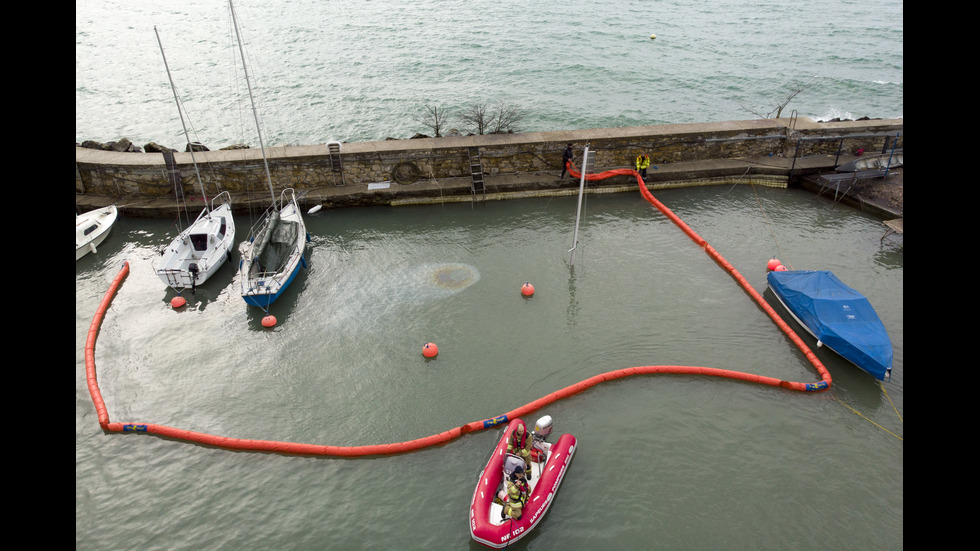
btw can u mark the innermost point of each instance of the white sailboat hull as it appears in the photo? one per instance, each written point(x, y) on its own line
point(199, 251)
point(91, 229)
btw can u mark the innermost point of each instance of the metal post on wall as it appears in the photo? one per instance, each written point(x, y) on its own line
point(795, 155)
point(892, 154)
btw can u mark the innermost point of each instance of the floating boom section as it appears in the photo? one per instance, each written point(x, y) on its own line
point(296, 448)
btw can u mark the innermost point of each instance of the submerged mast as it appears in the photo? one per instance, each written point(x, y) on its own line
point(255, 112)
point(578, 213)
point(180, 111)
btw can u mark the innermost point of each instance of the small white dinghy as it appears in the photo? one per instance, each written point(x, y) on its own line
point(91, 229)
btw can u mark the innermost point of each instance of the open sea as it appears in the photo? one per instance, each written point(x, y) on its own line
point(362, 70)
point(664, 462)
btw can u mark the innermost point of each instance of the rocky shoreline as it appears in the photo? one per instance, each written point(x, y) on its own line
point(123, 145)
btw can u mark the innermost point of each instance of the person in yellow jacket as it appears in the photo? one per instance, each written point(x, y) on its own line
point(517, 492)
point(520, 443)
point(642, 162)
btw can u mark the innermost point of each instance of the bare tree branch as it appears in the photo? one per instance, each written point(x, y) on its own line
point(506, 118)
point(434, 118)
point(476, 117)
point(794, 90)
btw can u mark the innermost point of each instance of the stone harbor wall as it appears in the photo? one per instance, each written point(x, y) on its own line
point(124, 174)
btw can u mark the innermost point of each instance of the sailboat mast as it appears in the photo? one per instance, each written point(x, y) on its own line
point(180, 111)
point(255, 112)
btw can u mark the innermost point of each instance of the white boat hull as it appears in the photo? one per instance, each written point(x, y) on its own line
point(91, 229)
point(199, 251)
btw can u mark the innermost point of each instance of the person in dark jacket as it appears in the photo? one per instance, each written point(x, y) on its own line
point(566, 157)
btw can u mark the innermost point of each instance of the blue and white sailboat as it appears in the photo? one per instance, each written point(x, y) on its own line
point(273, 253)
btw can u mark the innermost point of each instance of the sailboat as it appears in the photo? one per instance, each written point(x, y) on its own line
point(198, 251)
point(273, 252)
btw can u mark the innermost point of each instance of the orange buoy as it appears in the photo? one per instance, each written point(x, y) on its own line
point(527, 290)
point(430, 350)
point(177, 301)
point(781, 268)
point(771, 266)
point(269, 321)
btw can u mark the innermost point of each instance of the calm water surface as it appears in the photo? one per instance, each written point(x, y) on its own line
point(664, 462)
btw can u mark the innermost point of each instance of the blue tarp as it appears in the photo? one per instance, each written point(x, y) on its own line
point(837, 316)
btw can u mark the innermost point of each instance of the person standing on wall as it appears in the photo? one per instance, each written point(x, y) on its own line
point(566, 157)
point(642, 162)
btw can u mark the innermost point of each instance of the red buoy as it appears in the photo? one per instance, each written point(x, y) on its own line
point(177, 301)
point(430, 350)
point(781, 268)
point(771, 266)
point(527, 290)
point(269, 321)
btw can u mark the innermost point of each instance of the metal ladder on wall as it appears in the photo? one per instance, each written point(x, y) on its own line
point(476, 172)
point(336, 165)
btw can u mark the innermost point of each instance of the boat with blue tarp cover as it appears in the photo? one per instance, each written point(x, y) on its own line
point(837, 316)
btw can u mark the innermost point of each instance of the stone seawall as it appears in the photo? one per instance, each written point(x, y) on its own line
point(392, 167)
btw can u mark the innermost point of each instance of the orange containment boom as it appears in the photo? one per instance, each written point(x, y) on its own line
point(449, 435)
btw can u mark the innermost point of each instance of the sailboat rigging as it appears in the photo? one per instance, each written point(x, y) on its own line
point(200, 250)
point(273, 252)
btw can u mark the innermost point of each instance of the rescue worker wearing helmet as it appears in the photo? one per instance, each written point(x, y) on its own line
point(517, 492)
point(520, 443)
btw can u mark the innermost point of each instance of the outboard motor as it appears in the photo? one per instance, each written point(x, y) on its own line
point(194, 270)
point(542, 428)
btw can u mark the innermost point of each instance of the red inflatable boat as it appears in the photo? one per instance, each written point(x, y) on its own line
point(548, 466)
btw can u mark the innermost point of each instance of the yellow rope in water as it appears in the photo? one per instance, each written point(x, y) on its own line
point(859, 414)
point(890, 401)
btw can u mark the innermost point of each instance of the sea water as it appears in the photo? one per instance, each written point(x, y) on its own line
point(361, 70)
point(669, 462)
